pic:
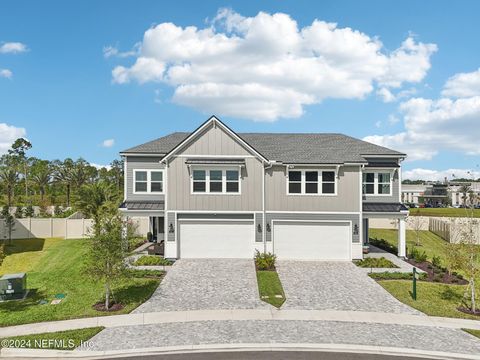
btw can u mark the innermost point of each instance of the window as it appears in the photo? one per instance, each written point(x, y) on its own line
point(156, 181)
point(384, 183)
point(141, 181)
point(199, 181)
point(232, 181)
point(328, 182)
point(368, 183)
point(148, 181)
point(295, 182)
point(311, 182)
point(216, 181)
point(377, 183)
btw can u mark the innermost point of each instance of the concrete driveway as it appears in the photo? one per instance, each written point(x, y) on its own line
point(206, 284)
point(315, 285)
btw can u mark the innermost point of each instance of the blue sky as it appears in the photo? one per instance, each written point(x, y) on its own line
point(61, 90)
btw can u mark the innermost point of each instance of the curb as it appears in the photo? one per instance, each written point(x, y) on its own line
point(210, 348)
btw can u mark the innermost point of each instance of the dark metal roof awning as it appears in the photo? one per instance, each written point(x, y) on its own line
point(384, 207)
point(215, 161)
point(390, 164)
point(143, 205)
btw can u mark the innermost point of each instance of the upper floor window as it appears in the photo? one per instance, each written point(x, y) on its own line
point(148, 181)
point(377, 183)
point(311, 182)
point(216, 181)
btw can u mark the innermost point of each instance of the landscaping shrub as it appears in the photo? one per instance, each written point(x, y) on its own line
point(265, 261)
point(375, 263)
point(134, 243)
point(137, 273)
point(395, 276)
point(384, 245)
point(151, 260)
point(418, 256)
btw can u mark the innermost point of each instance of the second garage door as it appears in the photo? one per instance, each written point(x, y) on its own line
point(216, 239)
point(312, 240)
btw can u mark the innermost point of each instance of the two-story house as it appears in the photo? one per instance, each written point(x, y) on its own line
point(213, 193)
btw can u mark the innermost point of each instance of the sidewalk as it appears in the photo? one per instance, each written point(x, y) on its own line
point(232, 315)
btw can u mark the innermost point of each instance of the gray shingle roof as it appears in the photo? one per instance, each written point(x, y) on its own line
point(288, 148)
point(384, 207)
point(143, 205)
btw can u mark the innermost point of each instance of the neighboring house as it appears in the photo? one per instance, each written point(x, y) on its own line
point(435, 194)
point(214, 193)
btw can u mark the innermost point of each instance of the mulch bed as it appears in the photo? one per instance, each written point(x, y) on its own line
point(468, 311)
point(437, 275)
point(100, 306)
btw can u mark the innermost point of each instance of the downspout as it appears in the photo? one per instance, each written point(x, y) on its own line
point(361, 232)
point(264, 234)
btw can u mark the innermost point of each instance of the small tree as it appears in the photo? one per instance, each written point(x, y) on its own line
point(8, 222)
point(29, 211)
point(18, 212)
point(415, 223)
point(106, 257)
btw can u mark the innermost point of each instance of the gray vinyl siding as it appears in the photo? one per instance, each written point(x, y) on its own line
point(139, 162)
point(259, 221)
point(354, 218)
point(395, 184)
point(347, 198)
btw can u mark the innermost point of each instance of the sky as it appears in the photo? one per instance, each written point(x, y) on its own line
point(91, 78)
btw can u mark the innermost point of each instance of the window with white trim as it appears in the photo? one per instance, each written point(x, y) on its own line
point(216, 181)
point(311, 182)
point(377, 183)
point(148, 181)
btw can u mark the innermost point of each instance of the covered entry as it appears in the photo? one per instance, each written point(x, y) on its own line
point(312, 240)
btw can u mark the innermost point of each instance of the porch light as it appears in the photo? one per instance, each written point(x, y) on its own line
point(355, 229)
point(268, 227)
point(259, 228)
point(171, 230)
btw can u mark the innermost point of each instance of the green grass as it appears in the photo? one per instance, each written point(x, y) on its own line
point(375, 263)
point(269, 285)
point(432, 298)
point(149, 260)
point(61, 340)
point(55, 266)
point(473, 332)
point(432, 244)
point(443, 212)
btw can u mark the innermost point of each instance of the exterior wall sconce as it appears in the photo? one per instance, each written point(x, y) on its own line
point(355, 229)
point(268, 227)
point(171, 230)
point(259, 228)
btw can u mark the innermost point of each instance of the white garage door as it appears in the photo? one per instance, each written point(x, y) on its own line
point(312, 240)
point(216, 239)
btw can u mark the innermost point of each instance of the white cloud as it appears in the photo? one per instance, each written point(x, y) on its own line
point(386, 95)
point(439, 175)
point(12, 48)
point(112, 51)
point(392, 119)
point(5, 73)
point(463, 85)
point(108, 143)
point(265, 67)
point(8, 134)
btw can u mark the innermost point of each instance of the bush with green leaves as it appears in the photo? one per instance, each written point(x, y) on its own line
point(28, 211)
point(375, 263)
point(418, 256)
point(265, 261)
point(151, 260)
point(18, 212)
point(437, 262)
point(396, 276)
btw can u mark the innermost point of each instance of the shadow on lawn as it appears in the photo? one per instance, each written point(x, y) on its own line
point(136, 294)
point(24, 245)
point(450, 294)
point(33, 297)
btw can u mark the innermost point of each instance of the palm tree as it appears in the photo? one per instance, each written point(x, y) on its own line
point(465, 189)
point(63, 175)
point(41, 175)
point(9, 178)
point(79, 174)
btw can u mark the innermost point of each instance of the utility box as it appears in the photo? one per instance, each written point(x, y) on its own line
point(13, 286)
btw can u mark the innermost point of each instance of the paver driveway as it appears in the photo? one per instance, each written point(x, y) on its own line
point(315, 285)
point(206, 284)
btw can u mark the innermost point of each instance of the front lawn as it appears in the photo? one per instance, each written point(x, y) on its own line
point(269, 286)
point(375, 263)
point(152, 260)
point(432, 244)
point(473, 332)
point(432, 298)
point(61, 340)
point(55, 266)
point(443, 212)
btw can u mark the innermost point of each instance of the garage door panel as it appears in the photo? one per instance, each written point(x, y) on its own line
point(216, 239)
point(312, 241)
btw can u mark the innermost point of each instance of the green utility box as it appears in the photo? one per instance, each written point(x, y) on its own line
point(13, 286)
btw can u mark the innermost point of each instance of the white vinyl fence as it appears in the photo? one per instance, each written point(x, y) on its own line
point(61, 228)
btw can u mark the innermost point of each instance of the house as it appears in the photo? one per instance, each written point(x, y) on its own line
point(213, 193)
point(440, 194)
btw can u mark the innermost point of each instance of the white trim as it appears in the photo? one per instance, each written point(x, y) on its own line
point(142, 211)
point(349, 222)
point(216, 122)
point(142, 154)
point(125, 178)
point(148, 181)
point(360, 218)
point(217, 220)
point(376, 183)
point(373, 156)
point(399, 172)
point(319, 182)
point(213, 211)
point(313, 212)
point(266, 211)
point(216, 156)
point(223, 169)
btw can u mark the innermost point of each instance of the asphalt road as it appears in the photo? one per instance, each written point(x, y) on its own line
point(273, 355)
